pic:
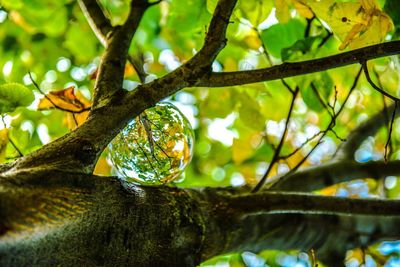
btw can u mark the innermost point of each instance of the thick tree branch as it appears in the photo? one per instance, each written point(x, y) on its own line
point(318, 177)
point(215, 39)
point(200, 65)
point(298, 68)
point(280, 202)
point(99, 23)
point(112, 65)
point(97, 221)
point(368, 128)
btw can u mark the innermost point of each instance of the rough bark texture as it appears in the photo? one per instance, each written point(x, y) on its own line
point(83, 220)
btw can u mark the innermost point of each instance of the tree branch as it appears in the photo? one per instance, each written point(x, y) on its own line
point(214, 42)
point(112, 66)
point(280, 202)
point(383, 92)
point(323, 133)
point(97, 221)
point(318, 177)
point(99, 23)
point(289, 69)
point(358, 135)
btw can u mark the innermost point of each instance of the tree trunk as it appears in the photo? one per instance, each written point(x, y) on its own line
point(81, 220)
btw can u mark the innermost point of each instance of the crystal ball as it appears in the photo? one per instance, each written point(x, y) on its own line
point(155, 147)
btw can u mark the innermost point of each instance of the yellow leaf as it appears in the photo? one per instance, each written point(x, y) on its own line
point(18, 19)
point(67, 100)
point(3, 143)
point(329, 191)
point(129, 71)
point(255, 11)
point(73, 120)
point(242, 150)
point(355, 24)
point(375, 33)
point(303, 9)
point(253, 42)
point(64, 99)
point(282, 12)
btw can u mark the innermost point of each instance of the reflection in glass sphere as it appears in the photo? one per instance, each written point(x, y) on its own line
point(155, 147)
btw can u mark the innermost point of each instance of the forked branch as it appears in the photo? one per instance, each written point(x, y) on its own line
point(99, 23)
point(117, 41)
point(215, 39)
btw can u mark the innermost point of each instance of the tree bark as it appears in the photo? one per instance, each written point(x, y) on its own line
point(65, 219)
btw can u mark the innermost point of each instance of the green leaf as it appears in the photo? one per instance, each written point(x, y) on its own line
point(311, 99)
point(211, 4)
point(255, 11)
point(275, 101)
point(81, 42)
point(323, 85)
point(3, 143)
point(249, 113)
point(188, 16)
point(218, 104)
point(299, 48)
point(13, 95)
point(280, 36)
point(11, 4)
point(392, 8)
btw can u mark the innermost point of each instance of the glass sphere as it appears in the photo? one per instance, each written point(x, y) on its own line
point(155, 147)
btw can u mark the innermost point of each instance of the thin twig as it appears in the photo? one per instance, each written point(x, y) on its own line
point(145, 154)
point(377, 88)
point(387, 119)
point(268, 57)
point(390, 131)
point(11, 141)
point(336, 135)
point(334, 101)
point(333, 120)
point(283, 178)
point(138, 66)
point(388, 122)
point(275, 157)
point(325, 39)
point(308, 27)
point(328, 35)
point(52, 102)
point(301, 146)
point(20, 154)
point(288, 86)
point(325, 105)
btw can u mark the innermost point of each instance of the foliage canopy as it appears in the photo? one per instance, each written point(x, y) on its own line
point(245, 132)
